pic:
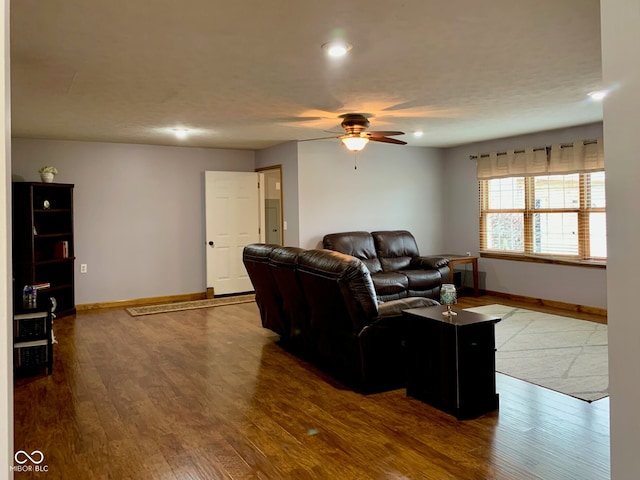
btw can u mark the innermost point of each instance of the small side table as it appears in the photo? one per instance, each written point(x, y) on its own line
point(452, 364)
point(32, 341)
point(462, 259)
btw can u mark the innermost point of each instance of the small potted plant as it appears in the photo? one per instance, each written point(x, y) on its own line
point(47, 173)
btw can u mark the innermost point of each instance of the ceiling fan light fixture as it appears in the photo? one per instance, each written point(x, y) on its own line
point(355, 144)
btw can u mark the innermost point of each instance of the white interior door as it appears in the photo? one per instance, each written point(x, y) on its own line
point(232, 221)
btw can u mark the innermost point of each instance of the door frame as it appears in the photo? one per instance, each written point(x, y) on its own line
point(262, 171)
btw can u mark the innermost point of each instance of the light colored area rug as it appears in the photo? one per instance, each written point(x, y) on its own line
point(191, 305)
point(563, 354)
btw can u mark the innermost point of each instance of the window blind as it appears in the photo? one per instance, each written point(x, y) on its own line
point(553, 208)
point(576, 157)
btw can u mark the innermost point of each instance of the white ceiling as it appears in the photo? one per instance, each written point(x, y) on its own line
point(250, 74)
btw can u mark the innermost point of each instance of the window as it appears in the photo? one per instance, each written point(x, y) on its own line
point(552, 216)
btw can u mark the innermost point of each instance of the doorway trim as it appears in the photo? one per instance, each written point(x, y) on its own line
point(263, 170)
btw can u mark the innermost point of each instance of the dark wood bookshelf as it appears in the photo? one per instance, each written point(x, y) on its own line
point(43, 243)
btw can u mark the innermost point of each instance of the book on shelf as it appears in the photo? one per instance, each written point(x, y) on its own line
point(62, 249)
point(30, 316)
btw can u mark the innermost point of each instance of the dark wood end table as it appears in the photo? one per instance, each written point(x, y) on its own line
point(460, 260)
point(452, 360)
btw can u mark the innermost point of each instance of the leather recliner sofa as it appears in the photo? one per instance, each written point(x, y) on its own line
point(395, 264)
point(324, 307)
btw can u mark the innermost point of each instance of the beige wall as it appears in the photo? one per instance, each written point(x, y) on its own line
point(620, 37)
point(393, 188)
point(139, 212)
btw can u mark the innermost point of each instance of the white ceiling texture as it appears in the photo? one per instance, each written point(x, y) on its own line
point(249, 74)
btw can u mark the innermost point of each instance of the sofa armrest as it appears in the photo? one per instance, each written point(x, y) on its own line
point(433, 262)
point(394, 308)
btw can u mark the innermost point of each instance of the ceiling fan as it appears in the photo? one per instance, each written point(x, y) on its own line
point(356, 135)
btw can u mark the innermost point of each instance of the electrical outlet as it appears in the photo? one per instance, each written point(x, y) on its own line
point(83, 268)
point(468, 254)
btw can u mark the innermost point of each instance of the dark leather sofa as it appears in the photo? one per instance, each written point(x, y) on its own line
point(392, 257)
point(324, 307)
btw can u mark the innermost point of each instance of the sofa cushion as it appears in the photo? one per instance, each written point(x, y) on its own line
point(258, 252)
point(285, 257)
point(256, 260)
point(422, 279)
point(338, 291)
point(395, 249)
point(388, 283)
point(283, 264)
point(356, 244)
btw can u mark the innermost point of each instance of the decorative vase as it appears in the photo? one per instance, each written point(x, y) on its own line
point(448, 297)
point(47, 177)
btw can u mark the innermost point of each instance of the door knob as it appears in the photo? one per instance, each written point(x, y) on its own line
point(211, 244)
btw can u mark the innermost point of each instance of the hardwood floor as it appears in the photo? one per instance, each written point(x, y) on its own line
point(209, 394)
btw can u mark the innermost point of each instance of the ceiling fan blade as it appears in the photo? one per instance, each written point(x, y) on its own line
point(387, 140)
point(319, 138)
point(382, 134)
point(406, 105)
point(297, 119)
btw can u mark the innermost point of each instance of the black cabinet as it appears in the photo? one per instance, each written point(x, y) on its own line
point(43, 244)
point(452, 360)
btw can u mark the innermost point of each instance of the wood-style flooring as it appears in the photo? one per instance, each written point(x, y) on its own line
point(209, 394)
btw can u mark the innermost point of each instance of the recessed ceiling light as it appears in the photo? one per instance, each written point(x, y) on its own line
point(418, 134)
point(598, 94)
point(181, 133)
point(336, 49)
